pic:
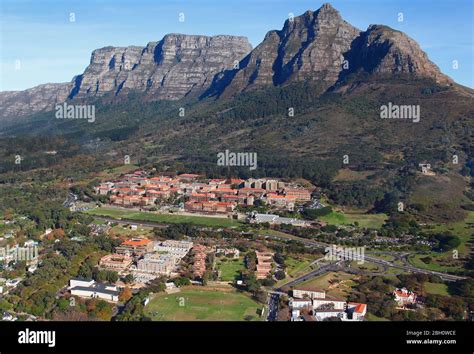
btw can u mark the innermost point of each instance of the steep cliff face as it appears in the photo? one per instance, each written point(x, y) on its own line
point(318, 46)
point(310, 46)
point(384, 50)
point(321, 46)
point(14, 104)
point(169, 69)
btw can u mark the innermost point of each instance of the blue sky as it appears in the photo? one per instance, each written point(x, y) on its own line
point(38, 35)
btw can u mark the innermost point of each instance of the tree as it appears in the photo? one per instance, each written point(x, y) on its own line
point(279, 275)
point(313, 214)
point(251, 261)
point(447, 242)
point(182, 281)
point(128, 279)
point(126, 294)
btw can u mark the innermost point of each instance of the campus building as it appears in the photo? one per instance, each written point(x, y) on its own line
point(91, 289)
point(136, 247)
point(117, 262)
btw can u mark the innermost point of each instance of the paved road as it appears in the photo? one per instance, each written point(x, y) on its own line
point(273, 303)
point(409, 268)
point(309, 243)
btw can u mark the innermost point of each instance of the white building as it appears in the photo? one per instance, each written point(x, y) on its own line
point(91, 289)
point(157, 263)
point(276, 220)
point(12, 283)
point(8, 317)
point(329, 303)
point(356, 311)
point(229, 251)
point(309, 292)
point(404, 296)
point(177, 248)
point(295, 315)
point(300, 303)
point(321, 315)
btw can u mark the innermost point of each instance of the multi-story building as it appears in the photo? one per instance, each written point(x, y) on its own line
point(136, 247)
point(271, 185)
point(264, 264)
point(308, 292)
point(176, 248)
point(287, 201)
point(209, 207)
point(300, 194)
point(404, 297)
point(199, 264)
point(157, 263)
point(356, 311)
point(116, 262)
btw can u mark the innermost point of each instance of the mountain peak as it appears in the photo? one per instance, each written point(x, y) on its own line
point(308, 47)
point(326, 6)
point(327, 9)
point(320, 46)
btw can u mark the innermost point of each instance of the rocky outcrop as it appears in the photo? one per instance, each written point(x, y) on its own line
point(172, 68)
point(310, 46)
point(14, 104)
point(169, 69)
point(386, 51)
point(321, 46)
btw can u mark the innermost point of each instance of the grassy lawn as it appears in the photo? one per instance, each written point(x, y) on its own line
point(367, 266)
point(461, 229)
point(395, 271)
point(374, 221)
point(230, 268)
point(371, 317)
point(435, 265)
point(386, 257)
point(163, 218)
point(203, 304)
point(444, 262)
point(122, 230)
point(338, 284)
point(295, 266)
point(436, 289)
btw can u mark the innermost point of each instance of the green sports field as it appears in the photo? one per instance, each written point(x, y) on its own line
point(230, 268)
point(374, 221)
point(163, 218)
point(201, 304)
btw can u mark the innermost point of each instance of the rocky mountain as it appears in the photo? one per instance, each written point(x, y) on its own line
point(321, 46)
point(170, 69)
point(318, 46)
point(14, 104)
point(383, 50)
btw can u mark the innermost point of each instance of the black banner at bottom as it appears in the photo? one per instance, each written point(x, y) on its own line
point(236, 337)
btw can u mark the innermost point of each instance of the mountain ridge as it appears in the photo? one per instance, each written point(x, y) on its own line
point(317, 45)
point(321, 46)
